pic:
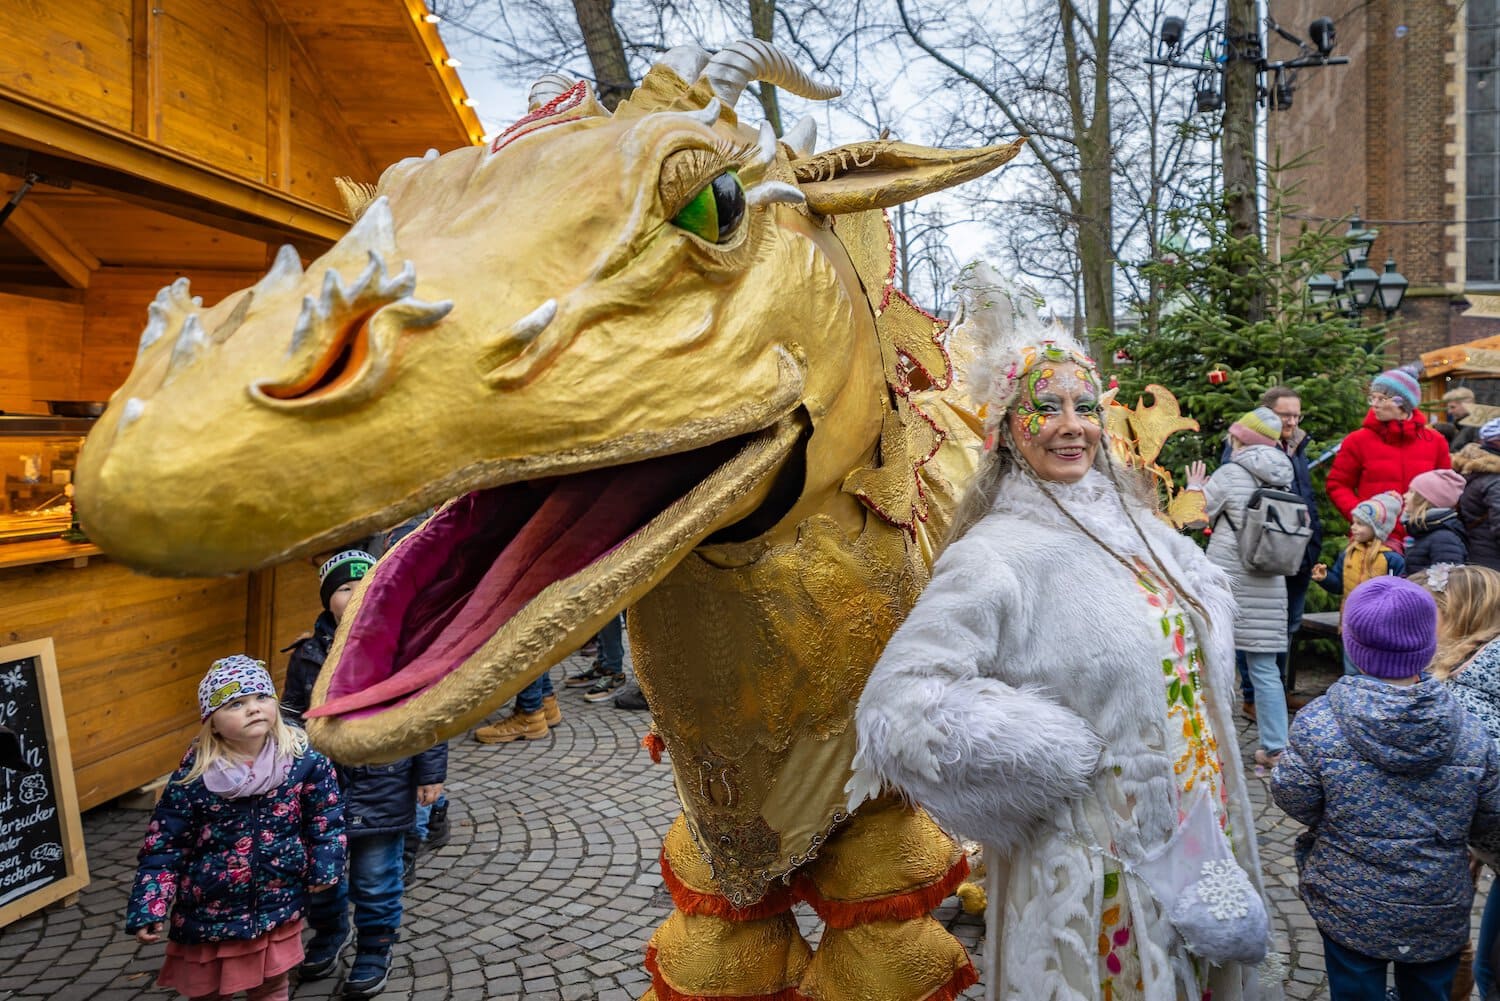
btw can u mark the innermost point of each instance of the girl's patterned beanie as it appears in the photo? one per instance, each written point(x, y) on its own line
point(231, 678)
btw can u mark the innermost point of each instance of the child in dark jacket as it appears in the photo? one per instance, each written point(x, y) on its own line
point(1479, 507)
point(1393, 779)
point(380, 803)
point(247, 825)
point(1434, 533)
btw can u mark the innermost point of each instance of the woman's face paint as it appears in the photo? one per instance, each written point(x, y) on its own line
point(1058, 420)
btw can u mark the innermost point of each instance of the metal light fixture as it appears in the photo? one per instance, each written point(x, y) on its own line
point(1359, 239)
point(1361, 284)
point(1390, 289)
point(1321, 288)
point(1171, 32)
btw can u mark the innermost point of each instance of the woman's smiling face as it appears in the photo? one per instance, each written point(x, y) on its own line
point(1058, 420)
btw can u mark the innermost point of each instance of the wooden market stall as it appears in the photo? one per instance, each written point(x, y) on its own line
point(142, 140)
point(1475, 365)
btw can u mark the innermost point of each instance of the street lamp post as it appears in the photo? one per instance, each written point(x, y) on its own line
point(1234, 77)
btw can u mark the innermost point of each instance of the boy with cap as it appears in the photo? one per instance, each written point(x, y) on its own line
point(379, 807)
point(1367, 556)
point(1393, 779)
point(1457, 406)
point(1393, 445)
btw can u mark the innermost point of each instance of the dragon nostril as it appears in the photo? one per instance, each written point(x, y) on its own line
point(344, 358)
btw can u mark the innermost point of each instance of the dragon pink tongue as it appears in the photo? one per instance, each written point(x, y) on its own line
point(437, 598)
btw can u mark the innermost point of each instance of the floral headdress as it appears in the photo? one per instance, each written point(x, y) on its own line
point(1000, 340)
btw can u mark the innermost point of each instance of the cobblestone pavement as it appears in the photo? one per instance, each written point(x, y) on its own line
point(548, 891)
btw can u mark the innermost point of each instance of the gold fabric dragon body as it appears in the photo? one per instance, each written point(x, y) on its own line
point(652, 359)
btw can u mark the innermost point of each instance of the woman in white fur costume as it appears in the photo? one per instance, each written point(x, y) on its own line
point(1061, 693)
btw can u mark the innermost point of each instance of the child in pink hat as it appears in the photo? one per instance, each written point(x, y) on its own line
point(1434, 532)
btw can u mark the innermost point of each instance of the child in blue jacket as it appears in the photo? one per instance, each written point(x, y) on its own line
point(380, 803)
point(248, 824)
point(1393, 779)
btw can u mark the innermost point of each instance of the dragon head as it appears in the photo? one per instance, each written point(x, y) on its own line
point(597, 342)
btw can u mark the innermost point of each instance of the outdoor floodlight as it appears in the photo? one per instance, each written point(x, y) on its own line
point(1171, 31)
point(1208, 99)
point(1322, 34)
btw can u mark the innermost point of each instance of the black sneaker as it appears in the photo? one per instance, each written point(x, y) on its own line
point(587, 678)
point(439, 831)
point(323, 952)
point(371, 969)
point(630, 697)
point(604, 688)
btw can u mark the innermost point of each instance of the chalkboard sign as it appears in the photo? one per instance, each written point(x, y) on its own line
point(41, 840)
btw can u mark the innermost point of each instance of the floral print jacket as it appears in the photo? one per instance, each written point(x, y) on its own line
point(236, 868)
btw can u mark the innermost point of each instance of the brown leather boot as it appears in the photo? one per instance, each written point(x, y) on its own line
point(516, 726)
point(550, 710)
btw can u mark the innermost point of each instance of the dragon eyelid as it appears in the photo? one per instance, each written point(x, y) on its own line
point(686, 172)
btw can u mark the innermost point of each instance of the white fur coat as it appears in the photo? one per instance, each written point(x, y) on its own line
point(1021, 701)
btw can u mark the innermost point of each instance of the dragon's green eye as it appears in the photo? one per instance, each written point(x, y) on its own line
point(715, 212)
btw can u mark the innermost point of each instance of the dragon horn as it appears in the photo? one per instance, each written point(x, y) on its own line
point(548, 87)
point(731, 69)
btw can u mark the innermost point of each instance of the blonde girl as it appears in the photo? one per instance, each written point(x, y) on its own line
point(1468, 660)
point(247, 825)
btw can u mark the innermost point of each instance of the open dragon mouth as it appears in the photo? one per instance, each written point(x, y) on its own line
point(442, 595)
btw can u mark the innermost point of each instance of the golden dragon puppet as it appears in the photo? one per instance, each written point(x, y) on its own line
point(651, 359)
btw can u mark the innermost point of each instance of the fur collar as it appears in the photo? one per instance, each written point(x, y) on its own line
point(1474, 459)
point(1094, 501)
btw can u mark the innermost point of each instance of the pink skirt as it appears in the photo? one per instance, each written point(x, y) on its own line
point(211, 968)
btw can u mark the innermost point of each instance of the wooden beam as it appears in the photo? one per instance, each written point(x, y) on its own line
point(128, 165)
point(45, 237)
point(278, 107)
point(271, 11)
point(260, 614)
point(145, 70)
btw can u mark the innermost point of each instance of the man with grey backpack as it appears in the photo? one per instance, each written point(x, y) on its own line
point(1260, 531)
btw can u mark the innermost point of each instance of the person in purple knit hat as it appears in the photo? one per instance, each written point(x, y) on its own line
point(1393, 779)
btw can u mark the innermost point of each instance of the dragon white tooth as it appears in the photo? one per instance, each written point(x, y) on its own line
point(803, 137)
point(431, 154)
point(528, 327)
point(190, 341)
point(769, 192)
point(134, 407)
point(767, 146)
point(401, 285)
point(374, 230)
point(306, 321)
point(285, 271)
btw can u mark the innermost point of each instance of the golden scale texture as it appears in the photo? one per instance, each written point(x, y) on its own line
point(706, 956)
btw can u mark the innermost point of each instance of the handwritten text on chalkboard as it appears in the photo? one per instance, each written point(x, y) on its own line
point(31, 853)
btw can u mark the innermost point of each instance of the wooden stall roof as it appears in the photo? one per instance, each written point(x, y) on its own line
point(1476, 359)
point(232, 114)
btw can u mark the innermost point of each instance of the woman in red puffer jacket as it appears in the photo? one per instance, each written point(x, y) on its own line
point(1392, 446)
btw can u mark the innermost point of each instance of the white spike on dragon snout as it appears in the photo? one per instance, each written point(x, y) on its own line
point(171, 307)
point(373, 288)
point(530, 326)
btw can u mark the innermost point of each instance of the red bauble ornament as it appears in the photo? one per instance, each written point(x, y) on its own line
point(1218, 377)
